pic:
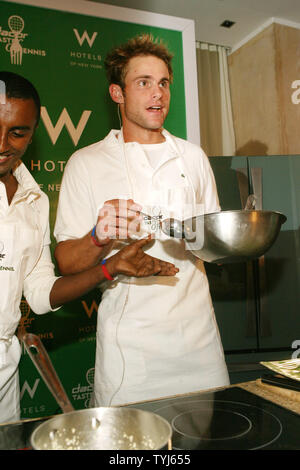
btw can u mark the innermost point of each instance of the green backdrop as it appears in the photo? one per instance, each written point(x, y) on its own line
point(62, 53)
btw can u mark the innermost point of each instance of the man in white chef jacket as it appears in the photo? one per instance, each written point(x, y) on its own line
point(155, 336)
point(25, 260)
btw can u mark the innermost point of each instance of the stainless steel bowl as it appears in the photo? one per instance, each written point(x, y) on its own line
point(103, 429)
point(227, 236)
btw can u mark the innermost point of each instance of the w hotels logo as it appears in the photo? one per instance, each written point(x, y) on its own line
point(54, 131)
point(85, 37)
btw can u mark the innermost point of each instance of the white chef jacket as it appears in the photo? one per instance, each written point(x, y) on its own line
point(156, 336)
point(25, 267)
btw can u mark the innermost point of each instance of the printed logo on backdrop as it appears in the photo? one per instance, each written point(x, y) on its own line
point(13, 38)
point(30, 390)
point(86, 56)
point(85, 36)
point(54, 131)
point(87, 332)
point(83, 392)
point(26, 322)
point(64, 120)
point(90, 309)
point(26, 319)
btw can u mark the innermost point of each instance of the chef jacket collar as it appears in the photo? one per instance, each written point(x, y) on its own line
point(173, 149)
point(28, 188)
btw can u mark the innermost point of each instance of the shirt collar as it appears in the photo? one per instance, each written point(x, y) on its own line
point(116, 136)
point(27, 186)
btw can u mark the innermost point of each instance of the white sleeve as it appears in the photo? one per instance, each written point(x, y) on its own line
point(74, 217)
point(38, 284)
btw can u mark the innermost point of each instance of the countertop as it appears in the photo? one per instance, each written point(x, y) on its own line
point(282, 397)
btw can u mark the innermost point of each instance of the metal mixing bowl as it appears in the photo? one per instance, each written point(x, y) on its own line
point(227, 236)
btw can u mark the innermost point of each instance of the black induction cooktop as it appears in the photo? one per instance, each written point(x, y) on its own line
point(229, 419)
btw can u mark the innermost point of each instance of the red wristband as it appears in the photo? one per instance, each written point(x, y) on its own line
point(94, 238)
point(105, 272)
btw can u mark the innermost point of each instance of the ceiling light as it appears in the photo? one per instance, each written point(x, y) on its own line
point(227, 23)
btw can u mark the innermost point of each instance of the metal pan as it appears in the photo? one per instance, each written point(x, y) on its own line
point(105, 428)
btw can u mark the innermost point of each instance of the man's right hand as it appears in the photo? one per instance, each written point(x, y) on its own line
point(117, 219)
point(133, 261)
